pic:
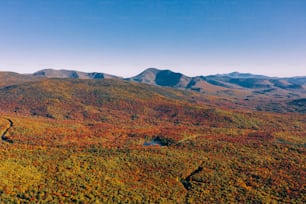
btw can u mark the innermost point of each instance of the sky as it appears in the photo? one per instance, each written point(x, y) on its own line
point(124, 37)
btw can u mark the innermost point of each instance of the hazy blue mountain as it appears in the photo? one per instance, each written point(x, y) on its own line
point(52, 73)
point(242, 75)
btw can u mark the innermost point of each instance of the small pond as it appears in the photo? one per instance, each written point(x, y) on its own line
point(158, 141)
point(152, 143)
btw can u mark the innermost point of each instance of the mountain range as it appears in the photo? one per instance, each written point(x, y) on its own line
point(231, 90)
point(172, 79)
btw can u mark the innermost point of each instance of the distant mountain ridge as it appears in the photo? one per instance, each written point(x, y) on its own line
point(243, 75)
point(52, 73)
point(232, 80)
point(232, 90)
point(168, 78)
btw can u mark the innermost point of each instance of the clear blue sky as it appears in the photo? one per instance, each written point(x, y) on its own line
point(123, 37)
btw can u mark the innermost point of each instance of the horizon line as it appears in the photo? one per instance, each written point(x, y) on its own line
point(159, 69)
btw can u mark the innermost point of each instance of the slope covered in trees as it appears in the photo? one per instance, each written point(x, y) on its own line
point(114, 141)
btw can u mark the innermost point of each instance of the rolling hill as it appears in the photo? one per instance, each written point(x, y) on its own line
point(116, 101)
point(110, 100)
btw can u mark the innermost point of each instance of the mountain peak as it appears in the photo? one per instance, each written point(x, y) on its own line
point(151, 69)
point(162, 77)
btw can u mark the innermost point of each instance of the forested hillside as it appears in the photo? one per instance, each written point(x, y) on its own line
point(112, 141)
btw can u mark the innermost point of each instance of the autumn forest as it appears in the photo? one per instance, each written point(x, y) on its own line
point(166, 139)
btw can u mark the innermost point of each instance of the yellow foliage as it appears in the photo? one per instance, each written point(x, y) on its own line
point(14, 175)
